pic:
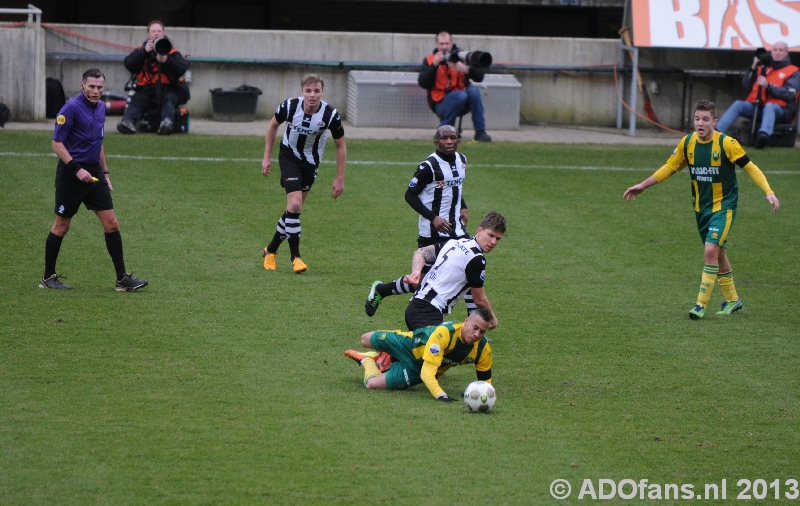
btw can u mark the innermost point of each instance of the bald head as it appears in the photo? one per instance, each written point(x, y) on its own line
point(779, 51)
point(444, 130)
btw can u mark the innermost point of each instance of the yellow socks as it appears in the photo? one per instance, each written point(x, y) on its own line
point(370, 369)
point(707, 284)
point(725, 280)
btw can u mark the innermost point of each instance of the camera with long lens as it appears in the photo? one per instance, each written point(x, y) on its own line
point(477, 59)
point(162, 46)
point(764, 56)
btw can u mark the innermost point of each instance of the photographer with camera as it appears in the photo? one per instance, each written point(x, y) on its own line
point(159, 68)
point(774, 82)
point(447, 78)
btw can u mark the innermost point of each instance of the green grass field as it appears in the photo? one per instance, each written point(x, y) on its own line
point(221, 383)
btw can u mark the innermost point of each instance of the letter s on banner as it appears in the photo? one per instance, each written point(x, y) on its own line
point(790, 18)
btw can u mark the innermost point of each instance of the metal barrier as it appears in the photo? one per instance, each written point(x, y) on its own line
point(33, 12)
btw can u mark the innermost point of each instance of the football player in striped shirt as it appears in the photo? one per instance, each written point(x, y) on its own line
point(712, 158)
point(308, 119)
point(426, 354)
point(436, 193)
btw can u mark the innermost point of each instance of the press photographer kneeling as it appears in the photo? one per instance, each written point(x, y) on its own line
point(158, 68)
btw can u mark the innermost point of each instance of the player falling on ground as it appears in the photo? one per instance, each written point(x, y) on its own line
point(427, 353)
point(711, 157)
point(308, 119)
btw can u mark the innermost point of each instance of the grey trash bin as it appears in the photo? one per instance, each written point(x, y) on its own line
point(235, 105)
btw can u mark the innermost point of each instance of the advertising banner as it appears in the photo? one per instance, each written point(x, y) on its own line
point(716, 24)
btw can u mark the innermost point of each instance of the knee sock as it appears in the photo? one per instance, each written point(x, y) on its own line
point(707, 284)
point(293, 231)
point(725, 280)
point(370, 369)
point(280, 235)
point(470, 302)
point(114, 246)
point(395, 287)
point(51, 248)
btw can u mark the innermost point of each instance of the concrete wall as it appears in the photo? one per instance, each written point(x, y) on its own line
point(22, 74)
point(547, 97)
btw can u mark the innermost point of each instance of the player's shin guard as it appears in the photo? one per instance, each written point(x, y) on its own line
point(395, 287)
point(370, 369)
point(293, 231)
point(707, 284)
point(725, 280)
point(280, 235)
point(470, 302)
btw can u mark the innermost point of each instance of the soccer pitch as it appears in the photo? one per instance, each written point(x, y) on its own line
point(221, 383)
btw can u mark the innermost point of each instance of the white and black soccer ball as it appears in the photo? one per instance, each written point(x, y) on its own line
point(480, 396)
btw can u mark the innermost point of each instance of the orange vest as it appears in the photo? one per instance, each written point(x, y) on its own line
point(775, 77)
point(446, 81)
point(149, 73)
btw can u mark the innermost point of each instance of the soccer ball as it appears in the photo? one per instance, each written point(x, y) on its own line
point(480, 396)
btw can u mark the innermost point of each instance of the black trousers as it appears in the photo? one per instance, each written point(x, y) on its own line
point(145, 100)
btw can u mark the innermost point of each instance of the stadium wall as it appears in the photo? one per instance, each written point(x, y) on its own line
point(219, 59)
point(22, 72)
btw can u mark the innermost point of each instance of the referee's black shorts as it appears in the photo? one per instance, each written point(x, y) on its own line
point(420, 313)
point(71, 191)
point(296, 175)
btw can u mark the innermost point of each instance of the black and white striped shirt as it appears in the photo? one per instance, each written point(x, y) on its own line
point(460, 265)
point(306, 133)
point(439, 185)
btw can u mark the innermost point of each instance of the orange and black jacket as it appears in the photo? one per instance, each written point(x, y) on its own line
point(439, 80)
point(146, 67)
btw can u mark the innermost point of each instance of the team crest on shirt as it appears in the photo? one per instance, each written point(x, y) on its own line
point(321, 124)
point(382, 337)
point(435, 349)
point(715, 155)
point(61, 119)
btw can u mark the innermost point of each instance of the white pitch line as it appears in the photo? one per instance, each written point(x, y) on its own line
point(368, 162)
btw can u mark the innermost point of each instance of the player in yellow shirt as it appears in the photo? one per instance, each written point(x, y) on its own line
point(711, 157)
point(425, 354)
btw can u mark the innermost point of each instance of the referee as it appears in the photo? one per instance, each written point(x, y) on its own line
point(82, 177)
point(308, 119)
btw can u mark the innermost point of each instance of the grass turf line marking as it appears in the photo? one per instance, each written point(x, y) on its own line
point(369, 162)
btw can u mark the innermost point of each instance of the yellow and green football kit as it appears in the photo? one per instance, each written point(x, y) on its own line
point(428, 352)
point(715, 194)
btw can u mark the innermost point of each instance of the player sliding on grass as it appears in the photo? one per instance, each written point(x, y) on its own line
point(710, 156)
point(427, 353)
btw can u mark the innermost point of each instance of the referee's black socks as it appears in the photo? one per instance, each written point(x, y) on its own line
point(51, 249)
point(114, 246)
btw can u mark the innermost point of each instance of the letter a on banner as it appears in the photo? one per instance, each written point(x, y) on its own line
point(716, 24)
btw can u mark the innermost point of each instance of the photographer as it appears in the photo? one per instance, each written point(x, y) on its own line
point(773, 75)
point(448, 85)
point(158, 67)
